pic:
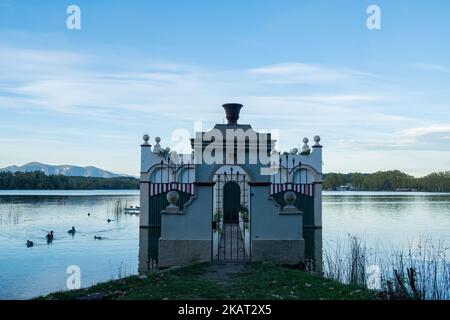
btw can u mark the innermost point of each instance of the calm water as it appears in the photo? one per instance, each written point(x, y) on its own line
point(27, 272)
point(389, 218)
point(392, 218)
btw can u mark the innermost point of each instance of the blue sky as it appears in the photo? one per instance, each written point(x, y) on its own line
point(378, 98)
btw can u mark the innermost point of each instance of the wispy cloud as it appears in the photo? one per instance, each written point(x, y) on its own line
point(70, 83)
point(130, 95)
point(294, 72)
point(432, 137)
point(432, 67)
point(422, 131)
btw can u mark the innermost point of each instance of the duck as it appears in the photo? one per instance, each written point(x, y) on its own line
point(71, 231)
point(98, 238)
point(89, 214)
point(30, 243)
point(50, 236)
point(109, 220)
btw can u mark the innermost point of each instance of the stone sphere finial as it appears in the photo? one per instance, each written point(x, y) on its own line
point(305, 148)
point(317, 141)
point(157, 147)
point(294, 151)
point(146, 138)
point(289, 199)
point(172, 197)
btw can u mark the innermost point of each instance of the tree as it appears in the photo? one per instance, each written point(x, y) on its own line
point(39, 181)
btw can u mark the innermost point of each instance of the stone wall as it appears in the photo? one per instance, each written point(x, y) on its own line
point(186, 235)
point(276, 235)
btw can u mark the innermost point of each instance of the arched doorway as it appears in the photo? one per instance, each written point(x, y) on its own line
point(231, 215)
point(231, 201)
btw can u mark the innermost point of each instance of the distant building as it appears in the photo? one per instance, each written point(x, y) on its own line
point(406, 190)
point(346, 187)
point(233, 198)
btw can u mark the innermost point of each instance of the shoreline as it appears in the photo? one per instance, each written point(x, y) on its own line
point(93, 192)
point(221, 281)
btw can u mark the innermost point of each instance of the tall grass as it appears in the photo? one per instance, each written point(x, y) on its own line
point(422, 271)
point(118, 208)
point(123, 270)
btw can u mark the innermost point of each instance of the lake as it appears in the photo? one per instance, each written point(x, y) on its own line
point(391, 218)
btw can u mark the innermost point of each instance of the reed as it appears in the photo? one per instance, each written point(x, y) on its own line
point(420, 272)
point(13, 217)
point(118, 207)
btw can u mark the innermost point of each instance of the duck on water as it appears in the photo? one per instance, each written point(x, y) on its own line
point(50, 236)
point(72, 231)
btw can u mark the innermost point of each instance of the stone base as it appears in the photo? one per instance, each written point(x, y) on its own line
point(284, 252)
point(183, 252)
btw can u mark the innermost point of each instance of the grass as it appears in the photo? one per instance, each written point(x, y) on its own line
point(207, 281)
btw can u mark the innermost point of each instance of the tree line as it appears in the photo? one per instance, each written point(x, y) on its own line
point(378, 181)
point(40, 181)
point(388, 181)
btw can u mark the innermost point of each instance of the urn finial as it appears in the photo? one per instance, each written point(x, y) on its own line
point(232, 112)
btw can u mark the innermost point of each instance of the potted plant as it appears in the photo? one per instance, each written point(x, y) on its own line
point(243, 216)
point(217, 220)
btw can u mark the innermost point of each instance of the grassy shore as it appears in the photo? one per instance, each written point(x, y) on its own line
point(221, 281)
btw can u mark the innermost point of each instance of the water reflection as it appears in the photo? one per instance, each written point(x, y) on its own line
point(148, 249)
point(14, 216)
point(149, 242)
point(313, 249)
point(390, 218)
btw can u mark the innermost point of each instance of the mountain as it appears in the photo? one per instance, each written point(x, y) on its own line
point(67, 170)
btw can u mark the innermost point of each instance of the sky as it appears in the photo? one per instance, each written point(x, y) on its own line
point(379, 99)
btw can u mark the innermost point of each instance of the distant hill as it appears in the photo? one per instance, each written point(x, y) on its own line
point(66, 170)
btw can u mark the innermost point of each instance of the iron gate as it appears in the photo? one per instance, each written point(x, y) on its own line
point(231, 220)
point(158, 188)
